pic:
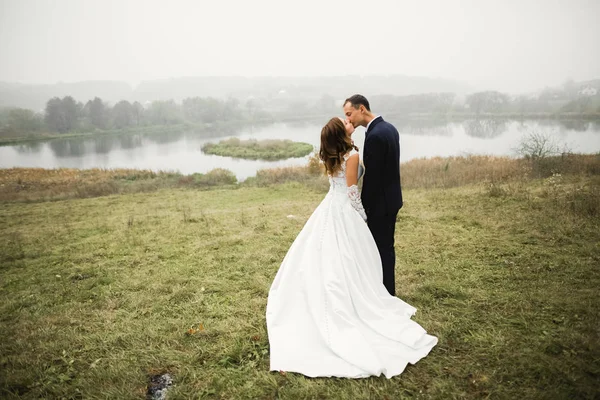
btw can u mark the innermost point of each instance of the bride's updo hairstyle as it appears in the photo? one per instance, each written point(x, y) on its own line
point(334, 145)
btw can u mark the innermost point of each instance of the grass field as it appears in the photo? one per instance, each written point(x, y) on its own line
point(98, 292)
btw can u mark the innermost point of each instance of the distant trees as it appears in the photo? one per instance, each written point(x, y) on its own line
point(198, 109)
point(16, 121)
point(210, 110)
point(138, 112)
point(231, 110)
point(124, 115)
point(253, 110)
point(527, 104)
point(62, 114)
point(54, 115)
point(163, 113)
point(66, 114)
point(99, 113)
point(588, 104)
point(488, 102)
point(327, 104)
point(22, 120)
point(415, 104)
point(573, 99)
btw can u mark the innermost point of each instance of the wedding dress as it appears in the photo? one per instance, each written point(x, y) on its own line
point(328, 312)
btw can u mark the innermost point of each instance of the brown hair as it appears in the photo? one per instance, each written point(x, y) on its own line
point(335, 143)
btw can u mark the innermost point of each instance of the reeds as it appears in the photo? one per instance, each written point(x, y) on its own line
point(38, 184)
point(500, 174)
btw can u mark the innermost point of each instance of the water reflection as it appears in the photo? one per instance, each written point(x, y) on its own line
point(130, 141)
point(574, 125)
point(427, 127)
point(68, 148)
point(176, 150)
point(29, 147)
point(564, 124)
point(484, 128)
point(166, 137)
point(104, 144)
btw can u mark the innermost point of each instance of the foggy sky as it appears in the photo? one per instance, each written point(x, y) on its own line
point(513, 46)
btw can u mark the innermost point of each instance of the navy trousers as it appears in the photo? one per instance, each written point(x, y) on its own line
point(382, 228)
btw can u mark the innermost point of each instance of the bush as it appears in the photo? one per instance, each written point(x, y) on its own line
point(537, 145)
point(569, 195)
point(315, 165)
point(585, 201)
point(215, 177)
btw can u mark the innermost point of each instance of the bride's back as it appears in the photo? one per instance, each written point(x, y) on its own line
point(338, 179)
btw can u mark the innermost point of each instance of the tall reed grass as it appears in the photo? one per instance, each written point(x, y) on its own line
point(500, 174)
point(37, 184)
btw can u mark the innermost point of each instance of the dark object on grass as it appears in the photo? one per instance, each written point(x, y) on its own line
point(158, 386)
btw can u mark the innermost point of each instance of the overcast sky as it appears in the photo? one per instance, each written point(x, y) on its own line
point(508, 45)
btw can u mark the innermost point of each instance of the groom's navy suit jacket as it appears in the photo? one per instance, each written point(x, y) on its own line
point(381, 191)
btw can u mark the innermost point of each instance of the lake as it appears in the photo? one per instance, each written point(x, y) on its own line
point(182, 152)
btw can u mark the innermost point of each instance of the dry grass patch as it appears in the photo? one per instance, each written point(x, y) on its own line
point(37, 184)
point(449, 172)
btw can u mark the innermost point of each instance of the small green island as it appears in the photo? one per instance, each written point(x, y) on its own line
point(252, 149)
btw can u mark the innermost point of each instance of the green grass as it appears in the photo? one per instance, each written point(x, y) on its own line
point(98, 293)
point(271, 149)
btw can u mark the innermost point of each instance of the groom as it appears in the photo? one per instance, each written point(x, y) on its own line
point(381, 191)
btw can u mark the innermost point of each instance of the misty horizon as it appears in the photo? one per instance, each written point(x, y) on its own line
point(133, 85)
point(513, 47)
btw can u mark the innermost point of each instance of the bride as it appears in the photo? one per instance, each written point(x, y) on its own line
point(328, 312)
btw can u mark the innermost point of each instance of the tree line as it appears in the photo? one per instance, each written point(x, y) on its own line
point(489, 103)
point(63, 115)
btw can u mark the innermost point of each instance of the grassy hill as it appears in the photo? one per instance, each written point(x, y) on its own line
point(159, 273)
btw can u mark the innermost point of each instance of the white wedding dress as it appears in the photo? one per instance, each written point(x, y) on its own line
point(328, 312)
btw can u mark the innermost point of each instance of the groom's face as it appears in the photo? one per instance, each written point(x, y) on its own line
point(354, 115)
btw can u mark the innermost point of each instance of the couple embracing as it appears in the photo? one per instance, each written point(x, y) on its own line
point(332, 309)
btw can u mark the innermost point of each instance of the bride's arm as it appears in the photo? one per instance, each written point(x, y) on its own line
point(351, 183)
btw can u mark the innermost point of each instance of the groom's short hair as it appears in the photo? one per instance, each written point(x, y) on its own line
point(357, 100)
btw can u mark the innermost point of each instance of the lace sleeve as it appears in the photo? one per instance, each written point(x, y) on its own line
point(354, 196)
